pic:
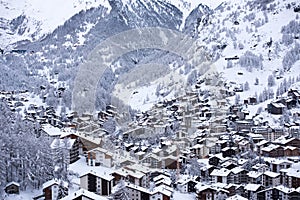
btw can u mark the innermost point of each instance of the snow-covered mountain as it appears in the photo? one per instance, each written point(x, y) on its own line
point(263, 34)
point(33, 19)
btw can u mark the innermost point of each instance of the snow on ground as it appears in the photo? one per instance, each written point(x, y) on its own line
point(31, 100)
point(203, 161)
point(52, 12)
point(255, 42)
point(144, 97)
point(80, 37)
point(43, 16)
point(186, 6)
point(183, 196)
point(79, 167)
point(24, 195)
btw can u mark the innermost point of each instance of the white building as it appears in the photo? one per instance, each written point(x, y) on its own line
point(98, 183)
point(100, 157)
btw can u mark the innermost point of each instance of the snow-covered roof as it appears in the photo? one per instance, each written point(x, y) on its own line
point(184, 179)
point(271, 174)
point(201, 187)
point(99, 149)
point(220, 172)
point(262, 142)
point(237, 170)
point(252, 187)
point(62, 143)
point(254, 174)
point(236, 197)
point(277, 161)
point(124, 172)
point(163, 189)
point(55, 182)
point(198, 146)
point(242, 161)
point(151, 155)
point(284, 189)
point(85, 193)
point(243, 142)
point(165, 181)
point(104, 175)
point(159, 177)
point(293, 172)
point(90, 138)
point(227, 148)
point(12, 183)
point(270, 147)
point(51, 130)
point(139, 167)
point(278, 105)
point(218, 155)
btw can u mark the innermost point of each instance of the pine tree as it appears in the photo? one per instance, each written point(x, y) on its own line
point(24, 156)
point(256, 81)
point(246, 86)
point(271, 80)
point(237, 99)
point(194, 167)
point(120, 192)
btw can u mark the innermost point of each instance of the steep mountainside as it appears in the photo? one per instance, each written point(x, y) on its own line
point(263, 34)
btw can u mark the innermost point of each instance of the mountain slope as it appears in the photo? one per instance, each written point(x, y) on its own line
point(33, 19)
point(251, 31)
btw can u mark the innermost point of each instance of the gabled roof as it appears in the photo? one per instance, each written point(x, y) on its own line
point(271, 174)
point(220, 172)
point(252, 187)
point(125, 172)
point(201, 187)
point(187, 180)
point(85, 193)
point(55, 182)
point(254, 174)
point(51, 130)
point(278, 105)
point(163, 189)
point(101, 150)
point(237, 170)
point(12, 183)
point(227, 148)
point(293, 172)
point(160, 177)
point(262, 142)
point(236, 197)
point(270, 147)
point(283, 189)
point(105, 176)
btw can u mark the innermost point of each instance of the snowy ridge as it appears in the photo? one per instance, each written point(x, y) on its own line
point(42, 17)
point(186, 6)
